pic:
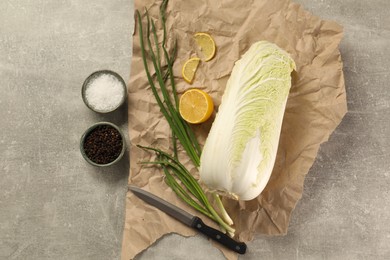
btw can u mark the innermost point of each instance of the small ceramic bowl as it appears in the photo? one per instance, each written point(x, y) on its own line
point(88, 131)
point(96, 75)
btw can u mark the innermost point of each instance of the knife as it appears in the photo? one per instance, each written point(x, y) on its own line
point(189, 219)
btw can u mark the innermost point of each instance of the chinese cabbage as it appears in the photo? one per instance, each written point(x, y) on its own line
point(240, 150)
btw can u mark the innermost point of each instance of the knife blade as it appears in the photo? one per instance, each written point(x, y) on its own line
point(188, 219)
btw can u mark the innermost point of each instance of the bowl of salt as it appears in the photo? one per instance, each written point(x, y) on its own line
point(104, 91)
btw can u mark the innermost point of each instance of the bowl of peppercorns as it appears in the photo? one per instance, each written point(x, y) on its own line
point(102, 144)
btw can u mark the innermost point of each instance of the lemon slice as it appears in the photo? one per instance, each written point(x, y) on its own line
point(206, 45)
point(195, 106)
point(189, 69)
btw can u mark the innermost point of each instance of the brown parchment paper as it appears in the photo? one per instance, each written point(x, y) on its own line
point(316, 105)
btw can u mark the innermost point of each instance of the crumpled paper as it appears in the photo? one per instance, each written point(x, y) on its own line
point(316, 105)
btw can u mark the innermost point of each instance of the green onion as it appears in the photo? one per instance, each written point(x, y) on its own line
point(187, 187)
point(162, 84)
point(180, 128)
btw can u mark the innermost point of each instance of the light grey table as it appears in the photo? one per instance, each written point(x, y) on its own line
point(53, 205)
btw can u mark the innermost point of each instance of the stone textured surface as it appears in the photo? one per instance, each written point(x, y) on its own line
point(53, 205)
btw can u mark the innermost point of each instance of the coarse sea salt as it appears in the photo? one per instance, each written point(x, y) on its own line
point(104, 93)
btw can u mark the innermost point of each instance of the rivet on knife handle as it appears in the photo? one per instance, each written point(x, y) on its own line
point(218, 236)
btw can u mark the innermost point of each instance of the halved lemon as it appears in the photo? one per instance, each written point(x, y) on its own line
point(195, 106)
point(189, 69)
point(206, 45)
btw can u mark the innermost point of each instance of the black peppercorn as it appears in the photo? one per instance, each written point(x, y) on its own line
point(103, 144)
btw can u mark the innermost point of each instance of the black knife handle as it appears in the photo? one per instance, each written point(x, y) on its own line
point(218, 236)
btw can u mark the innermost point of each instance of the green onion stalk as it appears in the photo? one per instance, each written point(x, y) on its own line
point(187, 187)
point(176, 175)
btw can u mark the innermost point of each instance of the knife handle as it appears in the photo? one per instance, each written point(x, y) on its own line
point(218, 236)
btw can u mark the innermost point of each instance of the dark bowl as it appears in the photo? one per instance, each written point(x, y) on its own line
point(89, 130)
point(95, 75)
